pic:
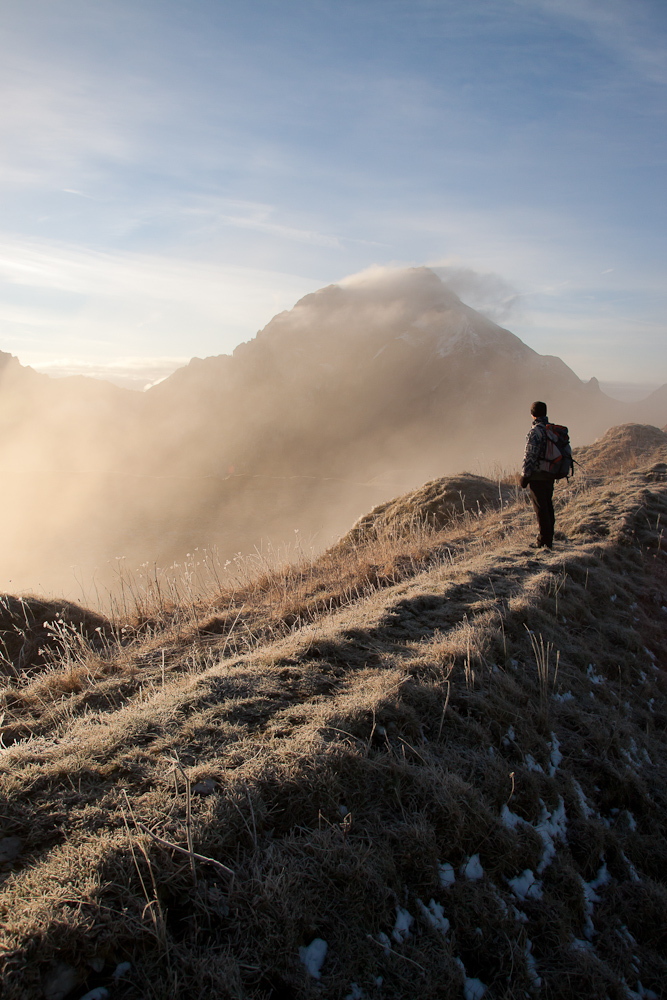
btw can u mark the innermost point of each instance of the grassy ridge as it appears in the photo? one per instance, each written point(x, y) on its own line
point(331, 735)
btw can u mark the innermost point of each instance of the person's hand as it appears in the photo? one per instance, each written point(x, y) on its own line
point(523, 482)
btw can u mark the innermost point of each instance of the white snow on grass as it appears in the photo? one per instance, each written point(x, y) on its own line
point(551, 827)
point(526, 886)
point(385, 942)
point(531, 966)
point(532, 764)
point(556, 755)
point(434, 915)
point(631, 868)
point(510, 819)
point(583, 801)
point(641, 993)
point(592, 676)
point(626, 937)
point(473, 989)
point(565, 696)
point(404, 922)
point(472, 869)
point(590, 897)
point(99, 993)
point(356, 993)
point(121, 969)
point(446, 874)
point(313, 956)
point(510, 737)
point(602, 876)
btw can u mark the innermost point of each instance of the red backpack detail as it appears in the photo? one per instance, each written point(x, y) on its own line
point(557, 458)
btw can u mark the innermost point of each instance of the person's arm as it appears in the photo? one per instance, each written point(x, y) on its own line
point(533, 453)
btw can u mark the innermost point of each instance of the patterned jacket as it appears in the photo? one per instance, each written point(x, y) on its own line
point(536, 445)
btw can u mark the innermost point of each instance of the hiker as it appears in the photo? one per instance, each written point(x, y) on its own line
point(540, 483)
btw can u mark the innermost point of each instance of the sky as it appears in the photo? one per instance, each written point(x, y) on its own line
point(173, 174)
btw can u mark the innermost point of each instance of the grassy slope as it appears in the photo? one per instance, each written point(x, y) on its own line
point(356, 723)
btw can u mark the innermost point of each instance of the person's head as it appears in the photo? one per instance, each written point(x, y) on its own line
point(538, 410)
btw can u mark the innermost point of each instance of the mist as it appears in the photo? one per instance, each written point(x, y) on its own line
point(362, 391)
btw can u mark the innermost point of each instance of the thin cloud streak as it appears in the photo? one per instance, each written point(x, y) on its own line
point(207, 167)
point(625, 29)
point(111, 299)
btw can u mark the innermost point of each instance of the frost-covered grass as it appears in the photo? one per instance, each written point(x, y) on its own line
point(353, 777)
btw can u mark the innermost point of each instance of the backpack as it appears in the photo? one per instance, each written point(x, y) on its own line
point(557, 458)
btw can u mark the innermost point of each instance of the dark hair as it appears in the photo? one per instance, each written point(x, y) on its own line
point(539, 409)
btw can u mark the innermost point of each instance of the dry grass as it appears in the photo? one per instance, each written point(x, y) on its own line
point(332, 731)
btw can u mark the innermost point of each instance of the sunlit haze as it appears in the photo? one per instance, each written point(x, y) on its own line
point(174, 175)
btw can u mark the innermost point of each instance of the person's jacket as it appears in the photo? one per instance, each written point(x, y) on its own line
point(536, 446)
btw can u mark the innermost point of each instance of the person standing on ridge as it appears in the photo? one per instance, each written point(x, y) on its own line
point(539, 482)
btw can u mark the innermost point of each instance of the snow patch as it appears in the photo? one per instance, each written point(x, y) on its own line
point(591, 897)
point(313, 956)
point(526, 886)
point(641, 993)
point(566, 696)
point(551, 827)
point(626, 937)
point(510, 819)
point(531, 966)
point(579, 945)
point(434, 915)
point(385, 942)
point(404, 921)
point(583, 801)
point(473, 989)
point(473, 870)
point(510, 737)
point(446, 875)
point(532, 764)
point(593, 677)
point(556, 755)
point(356, 993)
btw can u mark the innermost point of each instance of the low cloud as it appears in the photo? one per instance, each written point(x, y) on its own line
point(128, 373)
point(99, 306)
point(489, 294)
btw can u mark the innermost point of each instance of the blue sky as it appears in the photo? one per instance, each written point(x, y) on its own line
point(173, 174)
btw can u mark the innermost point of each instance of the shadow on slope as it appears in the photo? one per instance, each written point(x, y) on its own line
point(456, 779)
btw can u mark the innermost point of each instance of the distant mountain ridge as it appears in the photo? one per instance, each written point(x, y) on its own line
point(386, 372)
point(362, 391)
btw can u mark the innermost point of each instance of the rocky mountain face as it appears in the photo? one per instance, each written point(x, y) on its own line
point(359, 392)
point(368, 378)
point(383, 375)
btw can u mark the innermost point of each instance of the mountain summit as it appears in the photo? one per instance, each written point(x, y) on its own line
point(386, 371)
point(362, 391)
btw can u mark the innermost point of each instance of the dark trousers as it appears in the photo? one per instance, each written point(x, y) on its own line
point(542, 494)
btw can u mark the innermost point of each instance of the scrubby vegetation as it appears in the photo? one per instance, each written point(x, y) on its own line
point(429, 763)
